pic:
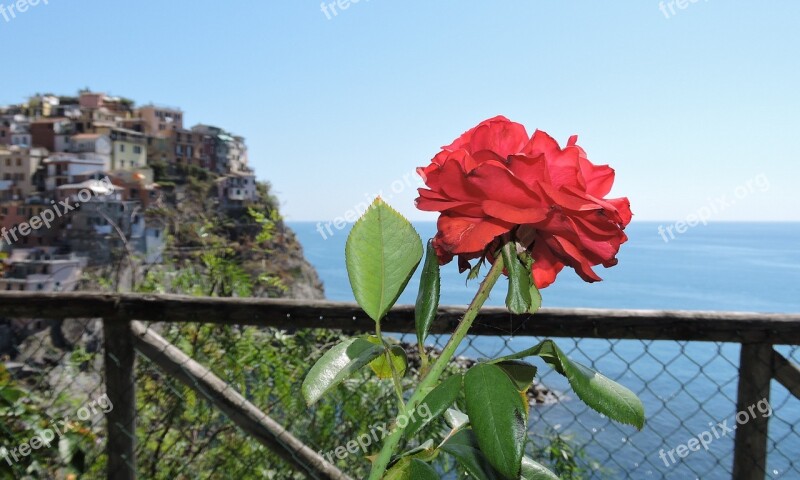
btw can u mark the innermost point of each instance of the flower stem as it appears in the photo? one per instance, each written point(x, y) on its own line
point(429, 381)
point(398, 387)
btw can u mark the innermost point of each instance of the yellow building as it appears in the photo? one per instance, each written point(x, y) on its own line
point(128, 147)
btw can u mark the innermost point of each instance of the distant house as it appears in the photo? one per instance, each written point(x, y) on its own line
point(225, 152)
point(19, 131)
point(15, 212)
point(54, 134)
point(159, 119)
point(67, 168)
point(93, 188)
point(183, 144)
point(5, 131)
point(100, 224)
point(128, 147)
point(19, 165)
point(41, 270)
point(237, 189)
point(113, 106)
point(138, 185)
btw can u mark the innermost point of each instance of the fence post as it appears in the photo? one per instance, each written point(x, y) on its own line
point(750, 446)
point(121, 391)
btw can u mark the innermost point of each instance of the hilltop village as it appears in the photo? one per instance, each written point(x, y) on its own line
point(78, 174)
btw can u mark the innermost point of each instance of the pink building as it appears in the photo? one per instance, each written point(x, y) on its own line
point(91, 100)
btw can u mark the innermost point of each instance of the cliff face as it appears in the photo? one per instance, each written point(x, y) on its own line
point(196, 228)
point(300, 277)
point(252, 237)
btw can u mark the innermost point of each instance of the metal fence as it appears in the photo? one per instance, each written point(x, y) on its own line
point(213, 393)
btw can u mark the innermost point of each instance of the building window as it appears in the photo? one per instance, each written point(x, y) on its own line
point(137, 149)
point(121, 147)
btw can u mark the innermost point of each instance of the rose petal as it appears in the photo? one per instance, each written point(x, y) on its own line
point(468, 235)
point(545, 265)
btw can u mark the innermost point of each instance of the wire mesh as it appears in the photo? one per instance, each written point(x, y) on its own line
point(688, 389)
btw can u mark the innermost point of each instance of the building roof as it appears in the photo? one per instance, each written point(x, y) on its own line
point(242, 174)
point(51, 120)
point(87, 136)
point(160, 107)
point(73, 158)
point(96, 186)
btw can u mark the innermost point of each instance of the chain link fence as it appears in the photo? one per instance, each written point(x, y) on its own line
point(53, 375)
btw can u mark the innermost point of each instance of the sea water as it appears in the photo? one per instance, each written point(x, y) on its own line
point(687, 387)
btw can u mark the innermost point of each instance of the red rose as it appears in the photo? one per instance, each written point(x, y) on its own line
point(494, 181)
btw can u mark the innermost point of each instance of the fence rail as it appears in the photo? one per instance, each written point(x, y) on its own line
point(738, 327)
point(757, 333)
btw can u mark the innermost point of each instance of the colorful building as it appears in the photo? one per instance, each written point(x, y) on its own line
point(128, 147)
point(20, 165)
point(158, 119)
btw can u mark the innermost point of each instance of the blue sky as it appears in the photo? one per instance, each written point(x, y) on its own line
point(688, 109)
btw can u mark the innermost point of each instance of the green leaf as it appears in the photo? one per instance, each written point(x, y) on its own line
point(475, 271)
point(10, 395)
point(409, 468)
point(383, 369)
point(435, 403)
point(427, 452)
point(464, 447)
point(535, 471)
point(518, 299)
point(536, 295)
point(497, 414)
point(336, 365)
point(599, 392)
point(381, 254)
point(536, 299)
point(521, 373)
point(428, 296)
